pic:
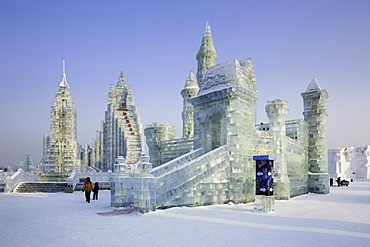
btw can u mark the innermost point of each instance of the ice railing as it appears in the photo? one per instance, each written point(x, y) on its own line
point(166, 167)
point(12, 182)
point(73, 180)
point(184, 177)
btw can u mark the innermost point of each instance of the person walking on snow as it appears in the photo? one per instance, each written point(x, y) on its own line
point(338, 181)
point(96, 191)
point(87, 188)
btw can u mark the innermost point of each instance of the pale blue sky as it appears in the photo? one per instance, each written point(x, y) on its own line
point(155, 42)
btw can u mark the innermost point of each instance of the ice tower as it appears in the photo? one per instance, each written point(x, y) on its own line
point(224, 114)
point(121, 133)
point(206, 56)
point(61, 153)
point(276, 111)
point(314, 101)
point(156, 135)
point(190, 90)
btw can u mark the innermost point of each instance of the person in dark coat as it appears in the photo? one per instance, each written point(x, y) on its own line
point(338, 181)
point(87, 188)
point(96, 191)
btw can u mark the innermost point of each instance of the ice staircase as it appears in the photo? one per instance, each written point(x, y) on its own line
point(182, 174)
point(40, 187)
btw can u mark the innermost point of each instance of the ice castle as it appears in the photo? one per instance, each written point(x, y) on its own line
point(213, 161)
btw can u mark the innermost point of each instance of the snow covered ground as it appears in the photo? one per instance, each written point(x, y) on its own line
point(341, 218)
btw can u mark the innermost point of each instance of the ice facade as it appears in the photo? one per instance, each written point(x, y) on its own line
point(350, 163)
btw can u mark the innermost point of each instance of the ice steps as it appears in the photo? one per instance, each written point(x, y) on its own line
point(40, 187)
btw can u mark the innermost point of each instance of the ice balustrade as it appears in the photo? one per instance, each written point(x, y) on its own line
point(13, 181)
point(4, 175)
point(72, 180)
point(184, 177)
point(159, 170)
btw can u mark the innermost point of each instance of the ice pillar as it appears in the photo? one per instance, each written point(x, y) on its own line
point(276, 112)
point(132, 185)
point(314, 101)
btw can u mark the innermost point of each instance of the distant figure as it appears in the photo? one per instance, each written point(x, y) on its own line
point(338, 181)
point(96, 191)
point(87, 188)
point(331, 181)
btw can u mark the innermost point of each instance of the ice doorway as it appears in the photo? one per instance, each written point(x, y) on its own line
point(216, 131)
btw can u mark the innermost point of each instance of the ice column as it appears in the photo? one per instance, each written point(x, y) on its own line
point(314, 101)
point(276, 112)
point(121, 189)
point(144, 187)
point(132, 185)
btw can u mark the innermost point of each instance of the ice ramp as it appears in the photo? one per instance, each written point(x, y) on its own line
point(176, 177)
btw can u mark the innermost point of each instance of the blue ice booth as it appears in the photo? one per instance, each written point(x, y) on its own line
point(264, 199)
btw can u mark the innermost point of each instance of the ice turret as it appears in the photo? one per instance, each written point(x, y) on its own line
point(190, 90)
point(314, 101)
point(206, 55)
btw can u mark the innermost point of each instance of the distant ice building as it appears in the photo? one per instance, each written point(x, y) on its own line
point(350, 163)
point(27, 163)
point(213, 161)
point(61, 150)
point(121, 132)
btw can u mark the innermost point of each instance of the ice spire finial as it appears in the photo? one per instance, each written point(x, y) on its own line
point(121, 80)
point(190, 81)
point(207, 30)
point(314, 85)
point(63, 82)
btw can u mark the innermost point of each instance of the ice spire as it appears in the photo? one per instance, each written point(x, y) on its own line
point(206, 55)
point(111, 94)
point(130, 97)
point(63, 82)
point(314, 85)
point(121, 81)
